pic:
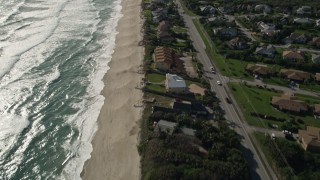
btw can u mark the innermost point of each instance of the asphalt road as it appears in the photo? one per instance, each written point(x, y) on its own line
point(258, 169)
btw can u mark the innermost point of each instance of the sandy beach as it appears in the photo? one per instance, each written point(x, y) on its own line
point(115, 154)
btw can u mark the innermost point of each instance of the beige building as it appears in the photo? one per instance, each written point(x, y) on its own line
point(289, 103)
point(295, 75)
point(310, 139)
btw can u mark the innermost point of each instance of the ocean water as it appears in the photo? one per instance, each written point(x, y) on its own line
point(53, 56)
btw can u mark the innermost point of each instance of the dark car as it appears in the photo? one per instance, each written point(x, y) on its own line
point(228, 100)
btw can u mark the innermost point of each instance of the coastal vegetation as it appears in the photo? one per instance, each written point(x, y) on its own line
point(213, 154)
point(288, 159)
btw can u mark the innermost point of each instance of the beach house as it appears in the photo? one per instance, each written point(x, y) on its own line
point(175, 84)
point(163, 58)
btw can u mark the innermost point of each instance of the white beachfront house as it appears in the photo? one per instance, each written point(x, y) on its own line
point(175, 84)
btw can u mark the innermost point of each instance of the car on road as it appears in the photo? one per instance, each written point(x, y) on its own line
point(213, 70)
point(219, 83)
point(228, 100)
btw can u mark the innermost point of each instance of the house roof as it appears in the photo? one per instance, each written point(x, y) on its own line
point(304, 9)
point(188, 131)
point(265, 49)
point(198, 108)
point(314, 131)
point(229, 30)
point(163, 29)
point(236, 41)
point(316, 40)
point(175, 81)
point(317, 108)
point(163, 54)
point(289, 103)
point(262, 7)
point(166, 126)
point(310, 136)
point(317, 76)
point(309, 140)
point(297, 35)
point(160, 11)
point(267, 26)
point(303, 20)
point(208, 8)
point(292, 55)
point(216, 19)
point(164, 34)
point(259, 69)
point(164, 26)
point(315, 58)
point(295, 74)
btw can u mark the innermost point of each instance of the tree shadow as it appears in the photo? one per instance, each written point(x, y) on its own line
point(248, 155)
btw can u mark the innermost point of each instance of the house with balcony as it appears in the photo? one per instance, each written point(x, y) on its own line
point(175, 84)
point(163, 58)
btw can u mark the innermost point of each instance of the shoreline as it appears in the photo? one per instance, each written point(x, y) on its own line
point(114, 154)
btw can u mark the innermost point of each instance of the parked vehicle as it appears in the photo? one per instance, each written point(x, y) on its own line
point(228, 100)
point(213, 70)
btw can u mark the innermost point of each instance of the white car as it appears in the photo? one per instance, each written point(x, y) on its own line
point(212, 69)
point(219, 83)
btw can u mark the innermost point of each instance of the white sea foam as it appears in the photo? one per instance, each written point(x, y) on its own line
point(86, 120)
point(8, 8)
point(36, 128)
point(10, 127)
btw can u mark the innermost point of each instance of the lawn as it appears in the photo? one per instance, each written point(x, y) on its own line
point(309, 31)
point(252, 99)
point(188, 82)
point(180, 43)
point(310, 87)
point(276, 81)
point(178, 29)
point(157, 87)
point(157, 82)
point(236, 69)
point(309, 99)
point(156, 78)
